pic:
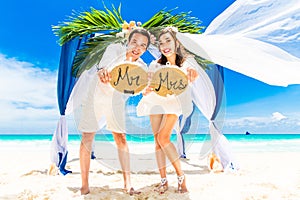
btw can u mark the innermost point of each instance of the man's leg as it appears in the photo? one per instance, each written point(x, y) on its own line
point(85, 157)
point(123, 152)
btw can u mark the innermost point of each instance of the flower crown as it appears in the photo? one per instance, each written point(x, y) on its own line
point(171, 28)
point(127, 28)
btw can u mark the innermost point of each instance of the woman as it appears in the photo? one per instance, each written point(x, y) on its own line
point(164, 111)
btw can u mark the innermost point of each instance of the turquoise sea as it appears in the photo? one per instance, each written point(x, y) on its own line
point(239, 142)
point(149, 138)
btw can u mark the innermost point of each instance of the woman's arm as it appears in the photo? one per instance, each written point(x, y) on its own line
point(191, 66)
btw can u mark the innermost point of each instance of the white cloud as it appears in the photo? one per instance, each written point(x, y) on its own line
point(277, 116)
point(275, 123)
point(278, 113)
point(27, 97)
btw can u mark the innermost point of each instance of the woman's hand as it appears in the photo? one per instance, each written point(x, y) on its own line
point(104, 75)
point(192, 74)
point(147, 90)
point(150, 75)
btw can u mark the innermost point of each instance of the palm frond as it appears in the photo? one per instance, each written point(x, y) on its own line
point(182, 21)
point(108, 22)
point(92, 52)
point(88, 22)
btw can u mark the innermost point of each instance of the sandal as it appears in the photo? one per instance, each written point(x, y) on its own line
point(180, 182)
point(163, 187)
point(131, 191)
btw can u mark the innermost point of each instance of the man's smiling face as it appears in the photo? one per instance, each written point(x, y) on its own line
point(136, 46)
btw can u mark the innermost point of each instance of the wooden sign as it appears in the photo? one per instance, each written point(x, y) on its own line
point(128, 78)
point(169, 81)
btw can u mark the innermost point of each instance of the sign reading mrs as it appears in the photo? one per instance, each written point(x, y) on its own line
point(128, 78)
point(169, 81)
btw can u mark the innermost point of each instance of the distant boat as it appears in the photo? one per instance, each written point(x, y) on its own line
point(247, 133)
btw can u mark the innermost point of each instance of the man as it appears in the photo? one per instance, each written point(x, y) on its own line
point(101, 100)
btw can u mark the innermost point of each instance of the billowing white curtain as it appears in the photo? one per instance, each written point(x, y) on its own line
point(204, 96)
point(247, 56)
point(257, 38)
point(260, 39)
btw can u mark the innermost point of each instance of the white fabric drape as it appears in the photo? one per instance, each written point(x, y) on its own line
point(59, 141)
point(76, 98)
point(250, 57)
point(260, 39)
point(272, 21)
point(204, 97)
point(180, 144)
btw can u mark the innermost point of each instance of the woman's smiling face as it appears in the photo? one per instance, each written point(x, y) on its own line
point(167, 44)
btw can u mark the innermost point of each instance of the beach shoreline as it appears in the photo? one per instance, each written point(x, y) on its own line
point(263, 174)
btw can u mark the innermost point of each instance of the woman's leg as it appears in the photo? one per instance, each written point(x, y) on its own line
point(156, 120)
point(164, 141)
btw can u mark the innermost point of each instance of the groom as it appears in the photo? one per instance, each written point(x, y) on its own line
point(102, 100)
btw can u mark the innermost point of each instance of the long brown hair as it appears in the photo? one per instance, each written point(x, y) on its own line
point(180, 52)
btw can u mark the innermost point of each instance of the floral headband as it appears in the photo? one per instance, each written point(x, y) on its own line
point(127, 28)
point(171, 28)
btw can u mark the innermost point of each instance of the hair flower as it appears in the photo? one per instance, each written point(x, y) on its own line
point(127, 28)
point(172, 28)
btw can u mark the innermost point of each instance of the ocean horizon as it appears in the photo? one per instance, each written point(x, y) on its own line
point(259, 143)
point(149, 137)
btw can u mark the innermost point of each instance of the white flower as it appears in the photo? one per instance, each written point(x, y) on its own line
point(120, 34)
point(172, 28)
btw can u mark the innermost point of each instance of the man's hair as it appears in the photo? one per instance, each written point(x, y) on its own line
point(140, 31)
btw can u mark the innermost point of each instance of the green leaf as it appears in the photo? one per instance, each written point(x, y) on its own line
point(109, 22)
point(88, 22)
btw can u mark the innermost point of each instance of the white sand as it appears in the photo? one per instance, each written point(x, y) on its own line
point(263, 175)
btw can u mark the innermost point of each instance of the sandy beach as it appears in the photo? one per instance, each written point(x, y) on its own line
point(263, 175)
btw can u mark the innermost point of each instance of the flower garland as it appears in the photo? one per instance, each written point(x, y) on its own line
point(127, 28)
point(108, 26)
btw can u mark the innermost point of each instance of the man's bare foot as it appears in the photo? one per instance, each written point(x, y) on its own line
point(131, 191)
point(84, 190)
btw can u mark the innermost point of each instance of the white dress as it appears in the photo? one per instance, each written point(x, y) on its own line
point(153, 103)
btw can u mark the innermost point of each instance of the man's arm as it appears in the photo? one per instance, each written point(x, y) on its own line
point(111, 53)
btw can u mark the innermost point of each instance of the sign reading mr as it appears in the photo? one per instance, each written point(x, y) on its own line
point(129, 78)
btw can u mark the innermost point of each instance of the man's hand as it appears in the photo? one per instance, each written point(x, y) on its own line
point(104, 75)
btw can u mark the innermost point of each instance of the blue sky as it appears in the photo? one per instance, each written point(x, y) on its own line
point(29, 57)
